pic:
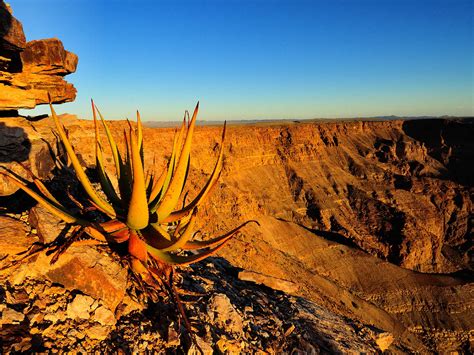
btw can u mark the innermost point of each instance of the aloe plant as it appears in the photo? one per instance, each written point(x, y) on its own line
point(143, 211)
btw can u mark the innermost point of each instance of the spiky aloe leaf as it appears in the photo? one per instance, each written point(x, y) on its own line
point(157, 237)
point(195, 245)
point(55, 210)
point(39, 184)
point(46, 192)
point(138, 267)
point(125, 180)
point(96, 234)
point(112, 225)
point(161, 230)
point(162, 186)
point(184, 237)
point(140, 135)
point(137, 217)
point(81, 175)
point(147, 274)
point(104, 179)
point(174, 216)
point(149, 180)
point(179, 142)
point(183, 222)
point(171, 197)
point(174, 259)
point(113, 145)
point(156, 186)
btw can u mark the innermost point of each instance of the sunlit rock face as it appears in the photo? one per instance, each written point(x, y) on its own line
point(31, 70)
point(372, 220)
point(383, 187)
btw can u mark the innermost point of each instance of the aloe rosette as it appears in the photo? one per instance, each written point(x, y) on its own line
point(143, 210)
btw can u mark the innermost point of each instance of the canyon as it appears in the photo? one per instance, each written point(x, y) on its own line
point(364, 240)
point(371, 220)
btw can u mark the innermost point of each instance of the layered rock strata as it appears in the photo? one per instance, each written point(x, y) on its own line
point(371, 220)
point(31, 70)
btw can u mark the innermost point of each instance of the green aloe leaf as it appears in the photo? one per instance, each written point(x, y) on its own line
point(39, 184)
point(140, 135)
point(194, 245)
point(104, 179)
point(171, 197)
point(125, 180)
point(55, 210)
point(113, 145)
point(207, 188)
point(157, 237)
point(174, 259)
point(185, 235)
point(81, 175)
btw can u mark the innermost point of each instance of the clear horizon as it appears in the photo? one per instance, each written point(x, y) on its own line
point(248, 60)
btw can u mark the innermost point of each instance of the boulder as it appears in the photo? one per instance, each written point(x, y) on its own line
point(19, 141)
point(10, 316)
point(48, 56)
point(11, 30)
point(81, 268)
point(104, 316)
point(98, 332)
point(47, 225)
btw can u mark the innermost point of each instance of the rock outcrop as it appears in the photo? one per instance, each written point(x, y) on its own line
point(20, 142)
point(31, 70)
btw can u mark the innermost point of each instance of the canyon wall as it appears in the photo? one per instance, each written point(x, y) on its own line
point(399, 190)
point(373, 220)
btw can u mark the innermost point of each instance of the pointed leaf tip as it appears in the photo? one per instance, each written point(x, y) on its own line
point(137, 217)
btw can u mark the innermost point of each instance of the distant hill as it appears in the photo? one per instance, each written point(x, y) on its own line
point(264, 122)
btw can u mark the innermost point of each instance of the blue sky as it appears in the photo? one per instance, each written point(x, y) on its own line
point(263, 59)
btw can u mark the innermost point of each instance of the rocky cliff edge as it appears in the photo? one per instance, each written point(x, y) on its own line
point(31, 70)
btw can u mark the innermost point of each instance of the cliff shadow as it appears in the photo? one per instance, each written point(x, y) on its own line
point(271, 312)
point(14, 144)
point(7, 50)
point(450, 141)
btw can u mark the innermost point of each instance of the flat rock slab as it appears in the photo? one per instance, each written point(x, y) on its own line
point(82, 268)
point(48, 226)
point(269, 281)
point(13, 236)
